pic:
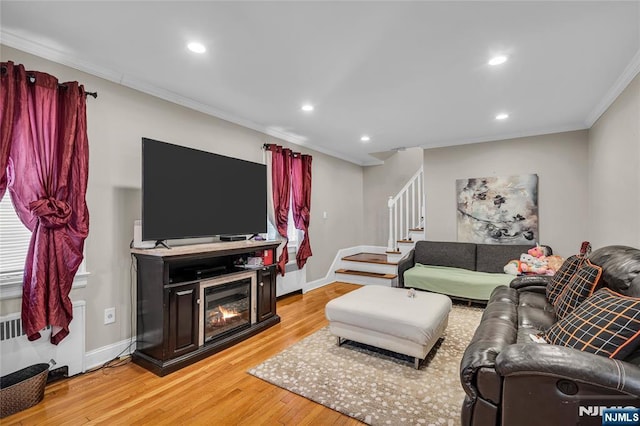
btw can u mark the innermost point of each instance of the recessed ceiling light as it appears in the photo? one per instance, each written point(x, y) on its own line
point(307, 107)
point(497, 60)
point(365, 138)
point(196, 47)
point(502, 116)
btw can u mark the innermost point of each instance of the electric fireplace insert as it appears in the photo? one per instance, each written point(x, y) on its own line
point(227, 306)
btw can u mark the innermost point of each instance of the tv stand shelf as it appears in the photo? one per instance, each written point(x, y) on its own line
point(168, 284)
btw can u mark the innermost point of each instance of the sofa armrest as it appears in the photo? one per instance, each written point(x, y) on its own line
point(567, 363)
point(537, 283)
point(408, 261)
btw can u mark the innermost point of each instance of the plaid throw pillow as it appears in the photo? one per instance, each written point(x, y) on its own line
point(562, 277)
point(580, 286)
point(607, 324)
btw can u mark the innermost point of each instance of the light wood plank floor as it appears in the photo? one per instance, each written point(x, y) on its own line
point(214, 391)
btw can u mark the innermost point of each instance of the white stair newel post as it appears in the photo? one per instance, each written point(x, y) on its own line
point(395, 223)
point(420, 200)
point(406, 228)
point(390, 244)
point(400, 218)
point(413, 204)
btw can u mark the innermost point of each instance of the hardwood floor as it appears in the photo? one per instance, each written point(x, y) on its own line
point(216, 390)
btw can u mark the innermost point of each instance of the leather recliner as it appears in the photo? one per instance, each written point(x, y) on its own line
point(510, 380)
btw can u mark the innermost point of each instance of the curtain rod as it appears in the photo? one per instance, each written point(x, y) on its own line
point(32, 79)
point(293, 153)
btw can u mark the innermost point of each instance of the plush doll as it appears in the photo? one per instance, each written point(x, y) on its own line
point(536, 251)
point(527, 258)
point(512, 268)
point(533, 265)
point(554, 262)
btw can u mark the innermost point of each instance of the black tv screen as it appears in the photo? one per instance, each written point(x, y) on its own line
point(187, 193)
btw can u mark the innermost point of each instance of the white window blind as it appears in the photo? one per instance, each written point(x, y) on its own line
point(14, 239)
point(293, 234)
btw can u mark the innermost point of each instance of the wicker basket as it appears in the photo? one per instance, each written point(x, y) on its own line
point(22, 389)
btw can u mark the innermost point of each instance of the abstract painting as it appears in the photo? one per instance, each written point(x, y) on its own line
point(498, 210)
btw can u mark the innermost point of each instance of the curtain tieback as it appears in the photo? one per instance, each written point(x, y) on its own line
point(52, 213)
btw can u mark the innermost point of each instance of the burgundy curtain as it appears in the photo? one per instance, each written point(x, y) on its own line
point(7, 102)
point(281, 184)
point(301, 187)
point(47, 180)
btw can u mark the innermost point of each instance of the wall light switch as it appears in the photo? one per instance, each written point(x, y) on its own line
point(325, 215)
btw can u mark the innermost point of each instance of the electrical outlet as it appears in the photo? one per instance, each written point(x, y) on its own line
point(109, 315)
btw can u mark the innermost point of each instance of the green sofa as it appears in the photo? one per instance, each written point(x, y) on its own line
point(466, 271)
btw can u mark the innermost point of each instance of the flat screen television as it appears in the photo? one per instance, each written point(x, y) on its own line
point(188, 193)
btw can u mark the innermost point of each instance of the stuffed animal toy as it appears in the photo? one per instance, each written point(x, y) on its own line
point(527, 258)
point(533, 265)
point(536, 251)
point(512, 268)
point(554, 262)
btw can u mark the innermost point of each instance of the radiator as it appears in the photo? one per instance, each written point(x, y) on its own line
point(294, 279)
point(18, 352)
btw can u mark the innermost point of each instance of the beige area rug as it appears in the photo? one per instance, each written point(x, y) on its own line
point(375, 386)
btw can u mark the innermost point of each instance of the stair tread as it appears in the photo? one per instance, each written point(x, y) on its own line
point(393, 252)
point(417, 229)
point(377, 258)
point(366, 274)
point(405, 241)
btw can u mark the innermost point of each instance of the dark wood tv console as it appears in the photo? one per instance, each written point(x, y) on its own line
point(170, 287)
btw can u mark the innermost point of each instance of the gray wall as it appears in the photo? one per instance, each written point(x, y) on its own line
point(117, 121)
point(381, 182)
point(614, 172)
point(559, 160)
point(579, 172)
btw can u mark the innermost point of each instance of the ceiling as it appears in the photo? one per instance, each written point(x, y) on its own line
point(405, 73)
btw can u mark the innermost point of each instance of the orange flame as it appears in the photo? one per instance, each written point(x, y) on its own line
point(227, 313)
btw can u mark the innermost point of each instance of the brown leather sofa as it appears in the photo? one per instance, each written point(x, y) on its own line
point(509, 380)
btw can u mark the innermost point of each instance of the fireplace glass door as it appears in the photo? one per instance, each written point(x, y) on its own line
point(227, 309)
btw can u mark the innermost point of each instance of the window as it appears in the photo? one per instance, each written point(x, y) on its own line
point(14, 240)
point(14, 244)
point(294, 235)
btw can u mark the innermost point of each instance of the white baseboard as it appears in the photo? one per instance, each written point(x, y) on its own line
point(98, 357)
point(331, 276)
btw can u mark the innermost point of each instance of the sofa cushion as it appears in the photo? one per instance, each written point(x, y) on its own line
point(535, 300)
point(504, 294)
point(530, 317)
point(493, 257)
point(581, 286)
point(607, 323)
point(455, 282)
point(441, 253)
point(562, 277)
point(621, 268)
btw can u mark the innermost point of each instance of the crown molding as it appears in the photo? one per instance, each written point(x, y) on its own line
point(54, 55)
point(524, 134)
point(612, 94)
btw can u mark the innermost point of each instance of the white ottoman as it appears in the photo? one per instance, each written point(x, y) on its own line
point(387, 318)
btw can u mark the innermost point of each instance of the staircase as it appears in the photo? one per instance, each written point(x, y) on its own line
point(379, 265)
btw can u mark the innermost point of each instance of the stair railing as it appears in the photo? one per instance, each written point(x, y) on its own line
point(406, 210)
